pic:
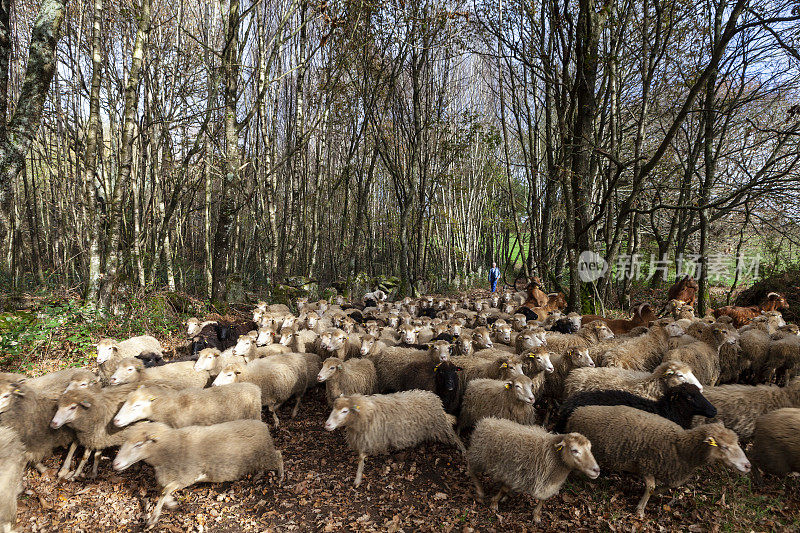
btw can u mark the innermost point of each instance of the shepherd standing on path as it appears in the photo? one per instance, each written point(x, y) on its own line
point(494, 276)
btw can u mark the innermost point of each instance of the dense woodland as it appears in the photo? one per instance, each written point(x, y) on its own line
point(214, 146)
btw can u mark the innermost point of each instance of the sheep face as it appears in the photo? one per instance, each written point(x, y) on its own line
point(688, 398)
point(723, 335)
point(265, 336)
point(286, 336)
point(258, 314)
point(541, 360)
point(126, 373)
point(334, 341)
point(133, 451)
point(518, 322)
point(408, 334)
point(439, 350)
point(243, 346)
point(447, 375)
point(603, 331)
point(481, 338)
point(674, 329)
point(106, 349)
point(83, 381)
point(508, 368)
point(7, 392)
point(503, 333)
point(576, 452)
point(138, 406)
point(556, 300)
point(206, 359)
point(367, 345)
point(330, 366)
point(70, 407)
point(522, 387)
point(464, 345)
point(575, 319)
point(229, 374)
point(343, 408)
point(507, 308)
point(193, 327)
point(494, 301)
point(723, 446)
point(322, 306)
point(301, 303)
point(456, 327)
point(393, 321)
point(674, 373)
point(580, 358)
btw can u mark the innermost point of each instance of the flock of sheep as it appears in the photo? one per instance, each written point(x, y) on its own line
point(538, 393)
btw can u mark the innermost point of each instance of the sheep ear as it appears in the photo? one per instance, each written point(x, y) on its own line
point(560, 445)
point(504, 365)
point(669, 372)
point(711, 441)
point(152, 437)
point(338, 367)
point(86, 403)
point(356, 407)
point(17, 391)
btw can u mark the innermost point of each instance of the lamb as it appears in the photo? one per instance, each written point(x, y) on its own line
point(109, 351)
point(213, 361)
point(743, 315)
point(89, 413)
point(180, 375)
point(589, 334)
point(354, 376)
point(512, 399)
point(280, 377)
point(28, 412)
point(650, 385)
point(526, 459)
point(776, 443)
point(190, 407)
point(12, 466)
point(184, 456)
point(679, 404)
point(379, 423)
point(704, 357)
point(625, 439)
point(739, 406)
point(642, 316)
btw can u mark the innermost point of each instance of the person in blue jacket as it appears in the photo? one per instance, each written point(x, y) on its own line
point(494, 276)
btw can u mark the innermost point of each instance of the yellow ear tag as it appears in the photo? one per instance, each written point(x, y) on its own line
point(356, 407)
point(153, 399)
point(504, 365)
point(559, 447)
point(669, 372)
point(711, 441)
point(437, 367)
point(508, 385)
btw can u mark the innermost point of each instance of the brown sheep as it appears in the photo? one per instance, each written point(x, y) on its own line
point(743, 315)
point(642, 316)
point(684, 290)
point(379, 423)
point(625, 439)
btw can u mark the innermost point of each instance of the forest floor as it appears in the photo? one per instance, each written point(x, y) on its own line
point(420, 489)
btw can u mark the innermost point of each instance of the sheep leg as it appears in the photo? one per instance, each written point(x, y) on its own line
point(649, 486)
point(457, 441)
point(40, 467)
point(478, 487)
point(64, 470)
point(360, 470)
point(280, 468)
point(496, 498)
point(755, 474)
point(78, 471)
point(166, 495)
point(537, 512)
point(7, 527)
point(297, 405)
point(97, 454)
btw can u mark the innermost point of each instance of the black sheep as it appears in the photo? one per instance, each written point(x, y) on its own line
point(564, 325)
point(679, 404)
point(529, 313)
point(448, 386)
point(429, 312)
point(151, 359)
point(449, 337)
